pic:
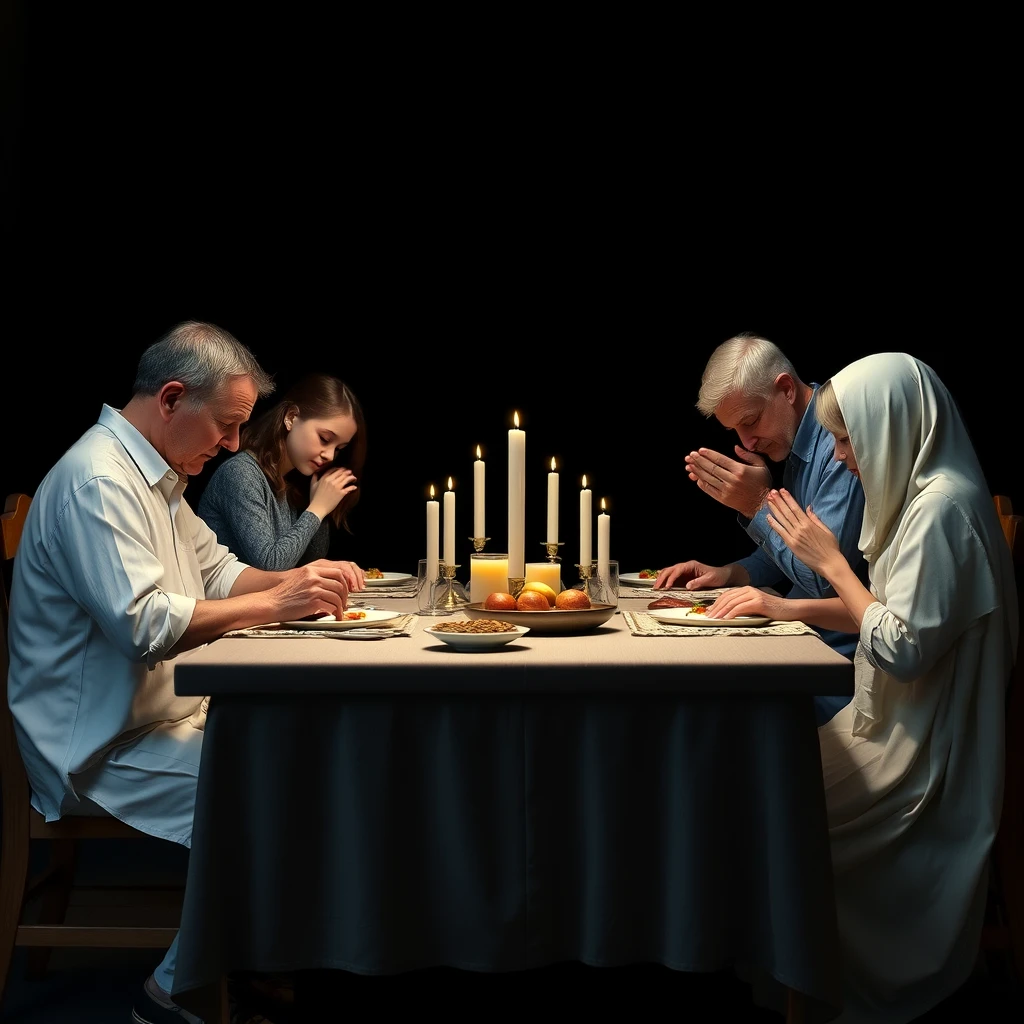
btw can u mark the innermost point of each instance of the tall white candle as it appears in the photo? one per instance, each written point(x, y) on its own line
point(478, 495)
point(516, 500)
point(552, 504)
point(585, 512)
point(432, 518)
point(603, 527)
point(449, 525)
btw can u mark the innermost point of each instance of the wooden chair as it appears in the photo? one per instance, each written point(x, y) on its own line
point(49, 893)
point(1004, 929)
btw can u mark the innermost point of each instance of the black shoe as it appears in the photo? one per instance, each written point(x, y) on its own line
point(154, 1006)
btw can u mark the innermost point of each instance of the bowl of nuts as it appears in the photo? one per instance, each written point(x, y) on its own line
point(476, 634)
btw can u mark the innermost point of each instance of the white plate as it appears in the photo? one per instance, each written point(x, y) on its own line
point(635, 580)
point(477, 641)
point(373, 618)
point(389, 579)
point(684, 617)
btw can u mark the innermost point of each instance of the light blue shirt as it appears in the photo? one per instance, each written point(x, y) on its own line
point(813, 477)
point(109, 568)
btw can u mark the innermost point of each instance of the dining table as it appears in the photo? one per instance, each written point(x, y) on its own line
point(379, 802)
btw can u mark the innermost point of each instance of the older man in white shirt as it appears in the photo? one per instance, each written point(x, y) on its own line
point(115, 575)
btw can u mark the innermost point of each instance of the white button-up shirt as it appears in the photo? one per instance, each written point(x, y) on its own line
point(109, 568)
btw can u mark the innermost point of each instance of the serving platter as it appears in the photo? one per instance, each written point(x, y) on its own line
point(477, 641)
point(564, 621)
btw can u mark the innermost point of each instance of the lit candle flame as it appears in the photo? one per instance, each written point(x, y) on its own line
point(431, 492)
point(552, 463)
point(449, 483)
point(602, 504)
point(478, 452)
point(515, 420)
point(584, 481)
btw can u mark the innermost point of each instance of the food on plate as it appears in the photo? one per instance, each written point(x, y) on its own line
point(475, 626)
point(572, 599)
point(373, 574)
point(699, 609)
point(532, 601)
point(499, 601)
point(349, 616)
point(648, 574)
point(671, 602)
point(542, 588)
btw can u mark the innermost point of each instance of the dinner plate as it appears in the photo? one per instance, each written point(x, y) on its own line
point(373, 618)
point(685, 617)
point(555, 620)
point(389, 579)
point(635, 580)
point(477, 641)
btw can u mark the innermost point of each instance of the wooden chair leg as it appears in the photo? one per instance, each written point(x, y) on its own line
point(14, 862)
point(56, 895)
point(796, 1007)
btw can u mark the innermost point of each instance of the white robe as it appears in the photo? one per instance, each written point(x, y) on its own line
point(913, 766)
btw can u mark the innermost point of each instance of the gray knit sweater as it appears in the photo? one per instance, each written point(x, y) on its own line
point(262, 530)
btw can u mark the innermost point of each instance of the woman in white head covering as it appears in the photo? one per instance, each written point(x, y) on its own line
point(913, 765)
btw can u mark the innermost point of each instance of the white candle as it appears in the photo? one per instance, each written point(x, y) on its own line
point(585, 510)
point(603, 526)
point(449, 525)
point(516, 500)
point(552, 504)
point(488, 574)
point(545, 572)
point(478, 495)
point(432, 517)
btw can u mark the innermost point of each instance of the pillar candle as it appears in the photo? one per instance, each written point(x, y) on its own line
point(545, 572)
point(603, 527)
point(552, 504)
point(585, 511)
point(432, 519)
point(488, 574)
point(449, 525)
point(516, 500)
point(478, 495)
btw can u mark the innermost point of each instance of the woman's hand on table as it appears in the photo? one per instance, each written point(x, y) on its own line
point(747, 601)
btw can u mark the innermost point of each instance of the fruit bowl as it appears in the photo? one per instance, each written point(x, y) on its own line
point(555, 620)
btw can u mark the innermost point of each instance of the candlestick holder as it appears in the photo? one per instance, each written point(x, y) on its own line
point(479, 542)
point(590, 583)
point(515, 585)
point(452, 594)
point(551, 547)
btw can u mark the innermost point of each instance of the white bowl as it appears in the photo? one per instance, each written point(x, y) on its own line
point(477, 641)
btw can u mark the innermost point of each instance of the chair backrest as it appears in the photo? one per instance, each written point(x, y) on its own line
point(12, 520)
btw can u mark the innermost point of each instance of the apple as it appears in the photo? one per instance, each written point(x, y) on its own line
point(500, 602)
point(572, 599)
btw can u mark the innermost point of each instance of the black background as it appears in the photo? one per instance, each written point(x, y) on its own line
point(458, 242)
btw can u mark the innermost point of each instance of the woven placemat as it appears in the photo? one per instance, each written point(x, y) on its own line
point(399, 626)
point(644, 624)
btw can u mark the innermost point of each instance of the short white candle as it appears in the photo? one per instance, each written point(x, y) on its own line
point(478, 495)
point(487, 576)
point(433, 513)
point(585, 512)
point(449, 525)
point(603, 527)
point(544, 572)
point(552, 504)
point(516, 500)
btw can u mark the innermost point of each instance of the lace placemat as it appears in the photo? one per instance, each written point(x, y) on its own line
point(644, 624)
point(399, 626)
point(401, 590)
point(703, 596)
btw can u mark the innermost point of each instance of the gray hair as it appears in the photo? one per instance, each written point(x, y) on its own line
point(201, 356)
point(746, 364)
point(827, 411)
